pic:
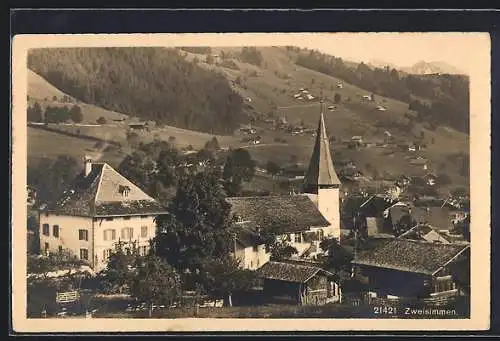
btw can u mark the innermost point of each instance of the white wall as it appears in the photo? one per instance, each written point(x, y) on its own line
point(69, 236)
point(118, 223)
point(68, 233)
point(251, 259)
point(329, 206)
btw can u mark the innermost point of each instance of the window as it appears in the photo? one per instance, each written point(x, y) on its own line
point(255, 248)
point(109, 218)
point(144, 250)
point(83, 235)
point(60, 249)
point(298, 238)
point(46, 229)
point(84, 254)
point(46, 246)
point(144, 216)
point(127, 233)
point(55, 231)
point(106, 254)
point(109, 234)
point(126, 218)
point(144, 231)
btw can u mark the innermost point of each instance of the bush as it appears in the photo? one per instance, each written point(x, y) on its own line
point(101, 120)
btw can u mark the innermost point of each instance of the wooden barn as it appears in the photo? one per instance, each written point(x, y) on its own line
point(404, 268)
point(299, 284)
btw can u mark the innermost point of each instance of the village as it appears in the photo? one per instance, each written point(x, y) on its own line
point(327, 246)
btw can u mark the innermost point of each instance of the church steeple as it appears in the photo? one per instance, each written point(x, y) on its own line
point(322, 183)
point(321, 173)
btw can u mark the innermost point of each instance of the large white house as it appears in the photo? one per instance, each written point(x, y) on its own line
point(301, 220)
point(99, 208)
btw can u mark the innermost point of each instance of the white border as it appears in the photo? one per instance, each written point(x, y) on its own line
point(479, 73)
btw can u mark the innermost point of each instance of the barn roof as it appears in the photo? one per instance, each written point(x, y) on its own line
point(410, 255)
point(283, 214)
point(288, 272)
point(321, 171)
point(100, 193)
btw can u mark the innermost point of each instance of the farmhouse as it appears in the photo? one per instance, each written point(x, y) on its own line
point(137, 125)
point(404, 268)
point(299, 283)
point(99, 208)
point(291, 218)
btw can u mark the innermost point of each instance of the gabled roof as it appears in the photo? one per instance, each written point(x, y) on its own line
point(100, 194)
point(247, 235)
point(425, 232)
point(288, 272)
point(282, 214)
point(321, 171)
point(410, 255)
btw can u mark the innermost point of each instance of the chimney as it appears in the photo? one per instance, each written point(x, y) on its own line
point(87, 161)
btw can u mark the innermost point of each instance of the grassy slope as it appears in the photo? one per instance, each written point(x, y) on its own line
point(272, 90)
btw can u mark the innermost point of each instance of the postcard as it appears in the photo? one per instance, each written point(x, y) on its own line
point(250, 182)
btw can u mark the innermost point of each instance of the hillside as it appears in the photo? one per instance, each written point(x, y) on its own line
point(269, 80)
point(150, 83)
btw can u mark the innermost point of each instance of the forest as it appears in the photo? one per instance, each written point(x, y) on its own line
point(152, 83)
point(438, 98)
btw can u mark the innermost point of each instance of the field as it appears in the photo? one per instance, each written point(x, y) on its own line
point(47, 144)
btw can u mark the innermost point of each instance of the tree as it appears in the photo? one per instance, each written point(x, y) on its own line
point(338, 258)
point(272, 168)
point(337, 98)
point(199, 224)
point(35, 113)
point(167, 165)
point(101, 120)
point(405, 223)
point(155, 282)
point(443, 179)
point(117, 275)
point(76, 114)
point(209, 59)
point(133, 139)
point(212, 145)
point(239, 167)
point(221, 278)
point(139, 168)
point(54, 98)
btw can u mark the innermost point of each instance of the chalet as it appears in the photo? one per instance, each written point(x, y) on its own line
point(404, 268)
point(299, 283)
point(98, 209)
point(288, 217)
point(438, 218)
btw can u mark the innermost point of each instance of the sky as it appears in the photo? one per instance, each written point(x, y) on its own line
point(402, 49)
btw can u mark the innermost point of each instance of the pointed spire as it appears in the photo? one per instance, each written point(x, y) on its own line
point(321, 172)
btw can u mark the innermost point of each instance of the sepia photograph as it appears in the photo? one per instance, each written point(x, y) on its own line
point(174, 179)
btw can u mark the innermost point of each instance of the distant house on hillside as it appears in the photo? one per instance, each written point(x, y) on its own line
point(138, 125)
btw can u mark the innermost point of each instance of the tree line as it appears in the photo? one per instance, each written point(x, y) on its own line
point(443, 99)
point(58, 114)
point(153, 83)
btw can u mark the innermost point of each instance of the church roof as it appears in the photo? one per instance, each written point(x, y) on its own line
point(103, 192)
point(321, 170)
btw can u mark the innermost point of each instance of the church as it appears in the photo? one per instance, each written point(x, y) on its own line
point(301, 220)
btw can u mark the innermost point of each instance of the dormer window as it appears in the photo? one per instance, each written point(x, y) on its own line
point(124, 190)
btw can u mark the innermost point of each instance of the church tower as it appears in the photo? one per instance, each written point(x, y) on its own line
point(321, 182)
